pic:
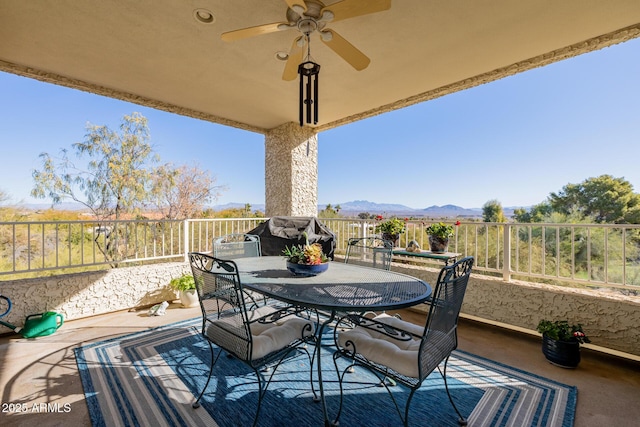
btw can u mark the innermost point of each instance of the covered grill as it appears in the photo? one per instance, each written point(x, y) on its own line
point(281, 231)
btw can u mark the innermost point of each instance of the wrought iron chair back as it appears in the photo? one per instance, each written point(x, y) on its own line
point(369, 251)
point(416, 350)
point(236, 245)
point(239, 245)
point(259, 336)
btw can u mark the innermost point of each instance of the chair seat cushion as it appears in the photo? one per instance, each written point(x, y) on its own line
point(266, 337)
point(278, 336)
point(399, 355)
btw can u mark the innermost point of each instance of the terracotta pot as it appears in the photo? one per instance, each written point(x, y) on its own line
point(438, 245)
point(565, 354)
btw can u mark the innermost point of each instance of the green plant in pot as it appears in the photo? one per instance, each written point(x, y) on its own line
point(439, 234)
point(307, 259)
point(186, 286)
point(390, 229)
point(561, 342)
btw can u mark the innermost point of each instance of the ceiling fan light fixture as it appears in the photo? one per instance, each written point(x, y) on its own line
point(327, 16)
point(326, 35)
point(307, 26)
point(204, 16)
point(298, 9)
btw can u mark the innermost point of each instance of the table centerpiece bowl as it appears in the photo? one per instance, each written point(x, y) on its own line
point(306, 270)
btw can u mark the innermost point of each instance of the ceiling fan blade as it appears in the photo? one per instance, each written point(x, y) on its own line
point(295, 58)
point(346, 50)
point(297, 6)
point(346, 9)
point(254, 31)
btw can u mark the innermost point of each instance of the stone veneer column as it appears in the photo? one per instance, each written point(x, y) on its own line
point(291, 171)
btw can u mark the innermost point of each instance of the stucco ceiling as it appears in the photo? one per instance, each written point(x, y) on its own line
point(154, 52)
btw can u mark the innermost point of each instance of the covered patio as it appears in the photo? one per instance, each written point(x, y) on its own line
point(45, 371)
point(171, 56)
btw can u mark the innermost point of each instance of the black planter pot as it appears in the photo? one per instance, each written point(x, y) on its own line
point(393, 238)
point(438, 245)
point(565, 354)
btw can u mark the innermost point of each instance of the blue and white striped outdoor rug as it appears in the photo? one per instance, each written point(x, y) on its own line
point(151, 378)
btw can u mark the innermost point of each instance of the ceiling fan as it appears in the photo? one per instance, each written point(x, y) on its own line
point(309, 16)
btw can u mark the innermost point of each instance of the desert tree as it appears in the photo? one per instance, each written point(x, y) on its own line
point(492, 212)
point(110, 173)
point(185, 191)
point(537, 213)
point(329, 212)
point(4, 196)
point(605, 198)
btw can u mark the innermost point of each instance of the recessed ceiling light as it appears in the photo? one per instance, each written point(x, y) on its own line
point(282, 56)
point(204, 16)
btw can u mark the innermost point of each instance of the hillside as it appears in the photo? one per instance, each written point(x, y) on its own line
point(353, 208)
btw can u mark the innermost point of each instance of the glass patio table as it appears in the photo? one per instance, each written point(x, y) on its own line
point(342, 288)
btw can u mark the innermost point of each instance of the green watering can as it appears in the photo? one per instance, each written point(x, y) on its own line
point(36, 325)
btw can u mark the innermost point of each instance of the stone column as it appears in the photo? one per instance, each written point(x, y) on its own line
point(291, 171)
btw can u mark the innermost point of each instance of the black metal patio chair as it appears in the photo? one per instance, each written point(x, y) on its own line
point(236, 245)
point(260, 337)
point(404, 352)
point(239, 245)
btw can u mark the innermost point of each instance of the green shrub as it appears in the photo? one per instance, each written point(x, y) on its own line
point(183, 283)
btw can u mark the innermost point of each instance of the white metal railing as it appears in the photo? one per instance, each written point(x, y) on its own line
point(201, 232)
point(62, 245)
point(66, 246)
point(579, 254)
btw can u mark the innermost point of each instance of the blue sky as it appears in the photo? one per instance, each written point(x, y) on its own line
point(515, 140)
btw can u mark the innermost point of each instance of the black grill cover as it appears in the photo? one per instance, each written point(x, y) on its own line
point(281, 231)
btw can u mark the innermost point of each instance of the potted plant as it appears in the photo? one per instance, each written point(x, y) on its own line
point(390, 229)
point(439, 234)
point(561, 342)
point(306, 260)
point(186, 286)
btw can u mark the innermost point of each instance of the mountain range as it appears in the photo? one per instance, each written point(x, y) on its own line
point(355, 207)
point(352, 208)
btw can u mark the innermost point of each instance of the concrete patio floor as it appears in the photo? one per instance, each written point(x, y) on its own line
point(37, 372)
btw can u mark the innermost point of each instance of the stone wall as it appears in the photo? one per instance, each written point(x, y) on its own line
point(88, 294)
point(610, 320)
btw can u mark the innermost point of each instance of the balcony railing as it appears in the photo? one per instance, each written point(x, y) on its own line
point(574, 254)
point(580, 254)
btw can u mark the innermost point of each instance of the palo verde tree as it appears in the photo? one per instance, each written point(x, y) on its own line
point(117, 176)
point(115, 181)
